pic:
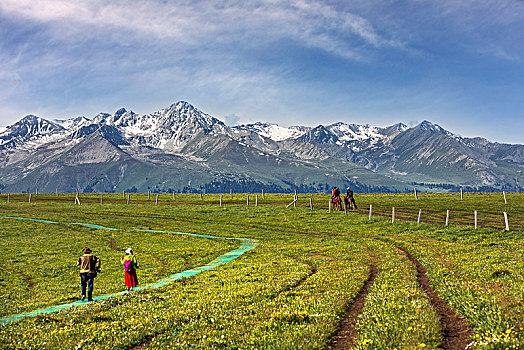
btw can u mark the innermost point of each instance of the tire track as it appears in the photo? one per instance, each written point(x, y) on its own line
point(456, 333)
point(345, 335)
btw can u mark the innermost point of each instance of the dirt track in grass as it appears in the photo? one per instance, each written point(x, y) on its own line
point(456, 333)
point(345, 335)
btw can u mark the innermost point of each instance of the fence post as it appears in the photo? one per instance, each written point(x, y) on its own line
point(263, 195)
point(148, 195)
point(57, 192)
point(101, 200)
point(392, 215)
point(370, 210)
point(231, 193)
point(475, 214)
point(201, 196)
point(330, 205)
point(247, 199)
point(128, 198)
point(506, 221)
point(504, 193)
point(416, 195)
point(174, 198)
point(419, 215)
point(295, 199)
point(461, 194)
point(256, 200)
point(36, 192)
point(311, 203)
point(29, 197)
point(123, 194)
point(8, 197)
point(156, 202)
point(220, 200)
point(447, 217)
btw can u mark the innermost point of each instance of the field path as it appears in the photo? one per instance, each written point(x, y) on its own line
point(246, 244)
point(346, 332)
point(456, 333)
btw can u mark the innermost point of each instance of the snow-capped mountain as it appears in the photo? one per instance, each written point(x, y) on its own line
point(167, 129)
point(180, 147)
point(73, 123)
point(275, 132)
point(29, 132)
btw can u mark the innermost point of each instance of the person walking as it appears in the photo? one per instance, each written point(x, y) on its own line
point(89, 265)
point(130, 265)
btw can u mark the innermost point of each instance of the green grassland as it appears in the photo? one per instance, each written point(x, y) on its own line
point(289, 292)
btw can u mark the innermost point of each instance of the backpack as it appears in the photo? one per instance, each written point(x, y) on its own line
point(128, 266)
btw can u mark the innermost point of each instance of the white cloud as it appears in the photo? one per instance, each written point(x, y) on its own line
point(311, 23)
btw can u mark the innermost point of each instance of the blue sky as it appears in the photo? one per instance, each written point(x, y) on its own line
point(459, 64)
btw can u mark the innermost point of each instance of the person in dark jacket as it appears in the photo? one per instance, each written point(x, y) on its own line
point(350, 201)
point(89, 265)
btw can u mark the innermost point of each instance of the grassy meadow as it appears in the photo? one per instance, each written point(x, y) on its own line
point(291, 291)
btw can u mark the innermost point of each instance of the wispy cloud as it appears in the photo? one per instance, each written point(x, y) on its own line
point(310, 23)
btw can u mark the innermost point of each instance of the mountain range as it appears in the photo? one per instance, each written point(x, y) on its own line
point(183, 149)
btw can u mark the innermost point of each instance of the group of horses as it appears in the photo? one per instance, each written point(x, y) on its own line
point(348, 202)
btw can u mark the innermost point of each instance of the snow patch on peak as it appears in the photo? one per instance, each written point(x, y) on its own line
point(433, 128)
point(354, 132)
point(73, 123)
point(274, 132)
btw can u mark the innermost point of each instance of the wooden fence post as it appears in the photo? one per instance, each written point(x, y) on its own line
point(148, 195)
point(128, 198)
point(29, 197)
point(393, 215)
point(370, 210)
point(419, 215)
point(330, 205)
point(506, 221)
point(231, 193)
point(295, 199)
point(311, 203)
point(220, 200)
point(101, 199)
point(201, 196)
point(263, 196)
point(247, 199)
point(447, 217)
point(8, 197)
point(461, 194)
point(416, 195)
point(475, 214)
point(57, 192)
point(505, 200)
point(156, 202)
point(36, 192)
point(256, 200)
point(174, 198)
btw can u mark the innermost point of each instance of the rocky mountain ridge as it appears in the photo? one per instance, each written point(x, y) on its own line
point(182, 148)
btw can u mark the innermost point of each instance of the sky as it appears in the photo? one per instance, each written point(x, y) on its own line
point(459, 64)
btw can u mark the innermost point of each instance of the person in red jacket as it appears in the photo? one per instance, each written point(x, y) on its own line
point(89, 265)
point(130, 265)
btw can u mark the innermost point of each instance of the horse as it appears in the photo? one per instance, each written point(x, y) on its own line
point(337, 203)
